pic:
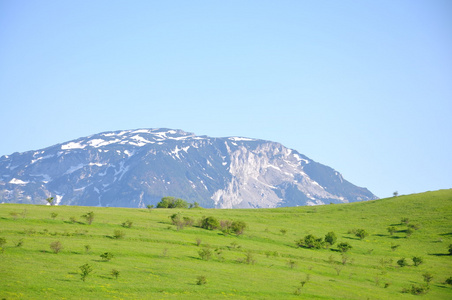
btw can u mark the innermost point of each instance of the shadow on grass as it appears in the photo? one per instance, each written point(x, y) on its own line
point(446, 234)
point(439, 254)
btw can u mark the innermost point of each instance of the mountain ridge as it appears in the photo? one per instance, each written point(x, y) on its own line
point(133, 168)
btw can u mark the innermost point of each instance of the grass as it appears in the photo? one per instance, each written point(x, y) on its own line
point(157, 261)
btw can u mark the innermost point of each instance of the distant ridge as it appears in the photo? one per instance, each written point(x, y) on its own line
point(134, 168)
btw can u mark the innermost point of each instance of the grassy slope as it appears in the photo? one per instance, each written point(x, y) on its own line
point(158, 262)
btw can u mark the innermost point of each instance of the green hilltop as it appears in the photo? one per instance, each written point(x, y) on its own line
point(165, 254)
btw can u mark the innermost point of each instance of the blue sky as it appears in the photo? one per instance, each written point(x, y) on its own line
point(364, 87)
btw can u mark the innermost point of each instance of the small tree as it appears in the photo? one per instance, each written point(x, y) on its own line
point(391, 230)
point(402, 262)
point(292, 264)
point(361, 233)
point(330, 238)
point(118, 234)
point(427, 277)
point(149, 206)
point(56, 247)
point(449, 281)
point(405, 221)
point(201, 280)
point(127, 224)
point(115, 273)
point(344, 247)
point(89, 217)
point(50, 200)
point(205, 253)
point(450, 249)
point(238, 227)
point(395, 194)
point(171, 202)
point(209, 223)
point(409, 232)
point(85, 269)
point(107, 256)
point(417, 260)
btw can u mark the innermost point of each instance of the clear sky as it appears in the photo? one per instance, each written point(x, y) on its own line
point(364, 87)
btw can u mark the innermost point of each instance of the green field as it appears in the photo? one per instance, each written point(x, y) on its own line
point(155, 260)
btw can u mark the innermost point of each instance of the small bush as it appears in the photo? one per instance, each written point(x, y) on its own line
point(405, 221)
point(238, 227)
point(402, 262)
point(449, 281)
point(201, 280)
point(283, 231)
point(85, 269)
point(107, 256)
point(344, 247)
point(391, 230)
point(127, 224)
point(89, 217)
point(311, 242)
point(198, 242)
point(205, 253)
point(292, 264)
point(409, 232)
point(417, 260)
point(427, 277)
point(450, 249)
point(209, 223)
point(53, 215)
point(73, 220)
point(20, 243)
point(115, 273)
point(56, 247)
point(2, 241)
point(416, 289)
point(330, 238)
point(361, 233)
point(118, 234)
point(87, 248)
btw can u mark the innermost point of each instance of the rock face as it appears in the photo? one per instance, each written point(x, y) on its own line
point(134, 168)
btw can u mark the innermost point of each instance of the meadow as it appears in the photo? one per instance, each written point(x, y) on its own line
point(154, 259)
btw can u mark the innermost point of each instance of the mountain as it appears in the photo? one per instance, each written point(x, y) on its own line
point(134, 168)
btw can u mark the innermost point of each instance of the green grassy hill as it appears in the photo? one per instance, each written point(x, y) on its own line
point(155, 260)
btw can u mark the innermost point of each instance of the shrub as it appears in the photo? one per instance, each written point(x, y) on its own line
point(405, 221)
point(107, 256)
point(73, 219)
point(115, 273)
point(205, 253)
point(85, 269)
point(249, 258)
point(292, 264)
point(361, 233)
point(198, 241)
point(402, 262)
point(344, 247)
point(2, 241)
point(149, 206)
point(171, 202)
point(283, 231)
point(417, 260)
point(450, 249)
point(209, 223)
point(409, 232)
point(201, 280)
point(19, 243)
point(391, 230)
point(416, 289)
point(53, 215)
point(427, 277)
point(449, 280)
point(118, 234)
point(330, 238)
point(56, 247)
point(310, 241)
point(238, 227)
point(89, 217)
point(127, 224)
point(87, 248)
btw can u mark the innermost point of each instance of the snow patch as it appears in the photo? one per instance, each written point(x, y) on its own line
point(18, 181)
point(72, 145)
point(73, 169)
point(237, 139)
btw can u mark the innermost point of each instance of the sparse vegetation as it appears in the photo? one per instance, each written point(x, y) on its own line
point(155, 262)
point(56, 247)
point(89, 217)
point(201, 280)
point(115, 273)
point(85, 269)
